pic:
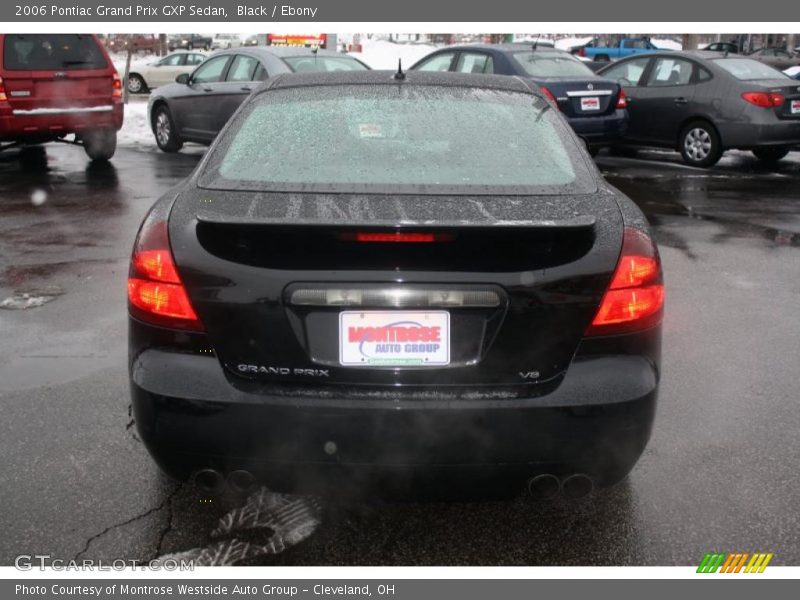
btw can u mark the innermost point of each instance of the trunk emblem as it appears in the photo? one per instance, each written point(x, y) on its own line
point(59, 75)
point(590, 86)
point(19, 93)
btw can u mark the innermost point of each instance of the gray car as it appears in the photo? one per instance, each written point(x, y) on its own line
point(703, 103)
point(197, 105)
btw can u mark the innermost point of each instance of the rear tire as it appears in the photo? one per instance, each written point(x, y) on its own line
point(100, 144)
point(771, 154)
point(165, 131)
point(699, 144)
point(136, 84)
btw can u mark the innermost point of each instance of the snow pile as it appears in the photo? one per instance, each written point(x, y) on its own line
point(572, 42)
point(135, 129)
point(380, 54)
point(792, 71)
point(666, 44)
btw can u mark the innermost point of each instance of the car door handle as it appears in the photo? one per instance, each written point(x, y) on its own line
point(680, 101)
point(246, 88)
point(208, 89)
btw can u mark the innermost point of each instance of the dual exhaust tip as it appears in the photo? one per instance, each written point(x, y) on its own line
point(573, 487)
point(212, 481)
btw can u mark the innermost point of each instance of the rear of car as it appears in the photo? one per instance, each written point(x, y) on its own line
point(438, 286)
point(54, 85)
point(595, 107)
point(769, 107)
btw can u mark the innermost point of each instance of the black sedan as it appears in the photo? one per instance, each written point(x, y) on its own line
point(376, 277)
point(703, 103)
point(197, 105)
point(593, 105)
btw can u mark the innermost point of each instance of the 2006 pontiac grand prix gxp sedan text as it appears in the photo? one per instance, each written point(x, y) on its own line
point(415, 281)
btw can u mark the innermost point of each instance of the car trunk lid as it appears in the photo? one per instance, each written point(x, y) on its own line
point(281, 280)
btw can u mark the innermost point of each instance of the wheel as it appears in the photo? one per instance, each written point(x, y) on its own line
point(100, 144)
point(699, 144)
point(165, 131)
point(136, 84)
point(602, 58)
point(771, 154)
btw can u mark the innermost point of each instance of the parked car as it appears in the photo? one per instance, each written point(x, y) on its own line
point(729, 47)
point(776, 57)
point(599, 51)
point(223, 41)
point(147, 43)
point(55, 85)
point(703, 103)
point(197, 105)
point(793, 72)
point(251, 40)
point(594, 106)
point(372, 276)
point(189, 41)
point(144, 77)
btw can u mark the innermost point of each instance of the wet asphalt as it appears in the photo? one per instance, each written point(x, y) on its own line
point(720, 473)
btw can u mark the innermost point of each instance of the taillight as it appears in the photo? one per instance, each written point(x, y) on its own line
point(764, 99)
point(582, 52)
point(3, 97)
point(549, 95)
point(156, 294)
point(635, 298)
point(622, 99)
point(116, 86)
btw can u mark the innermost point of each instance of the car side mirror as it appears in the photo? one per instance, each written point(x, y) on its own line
point(182, 78)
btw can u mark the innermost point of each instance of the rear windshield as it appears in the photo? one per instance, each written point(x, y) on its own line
point(551, 64)
point(401, 138)
point(748, 69)
point(52, 52)
point(315, 64)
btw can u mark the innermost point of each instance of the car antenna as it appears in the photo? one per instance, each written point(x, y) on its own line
point(536, 42)
point(399, 75)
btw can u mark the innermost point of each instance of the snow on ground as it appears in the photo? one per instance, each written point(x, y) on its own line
point(380, 54)
point(666, 44)
point(135, 130)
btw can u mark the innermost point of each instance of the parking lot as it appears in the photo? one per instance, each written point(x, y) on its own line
point(720, 472)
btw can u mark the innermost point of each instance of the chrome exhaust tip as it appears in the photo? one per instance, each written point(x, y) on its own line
point(543, 486)
point(577, 486)
point(209, 480)
point(241, 480)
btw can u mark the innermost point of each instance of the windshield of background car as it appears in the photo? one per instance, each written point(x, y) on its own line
point(550, 64)
point(51, 52)
point(748, 69)
point(398, 138)
point(317, 64)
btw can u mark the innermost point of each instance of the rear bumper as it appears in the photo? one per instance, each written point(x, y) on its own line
point(601, 130)
point(753, 135)
point(22, 125)
point(191, 417)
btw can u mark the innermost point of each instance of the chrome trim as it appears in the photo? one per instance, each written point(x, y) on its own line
point(590, 93)
point(394, 297)
point(62, 111)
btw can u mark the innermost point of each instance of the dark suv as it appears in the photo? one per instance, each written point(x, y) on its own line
point(54, 85)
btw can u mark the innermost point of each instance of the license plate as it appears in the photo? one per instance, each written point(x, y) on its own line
point(795, 107)
point(590, 103)
point(394, 338)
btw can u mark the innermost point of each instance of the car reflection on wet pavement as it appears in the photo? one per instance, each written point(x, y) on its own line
point(719, 473)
